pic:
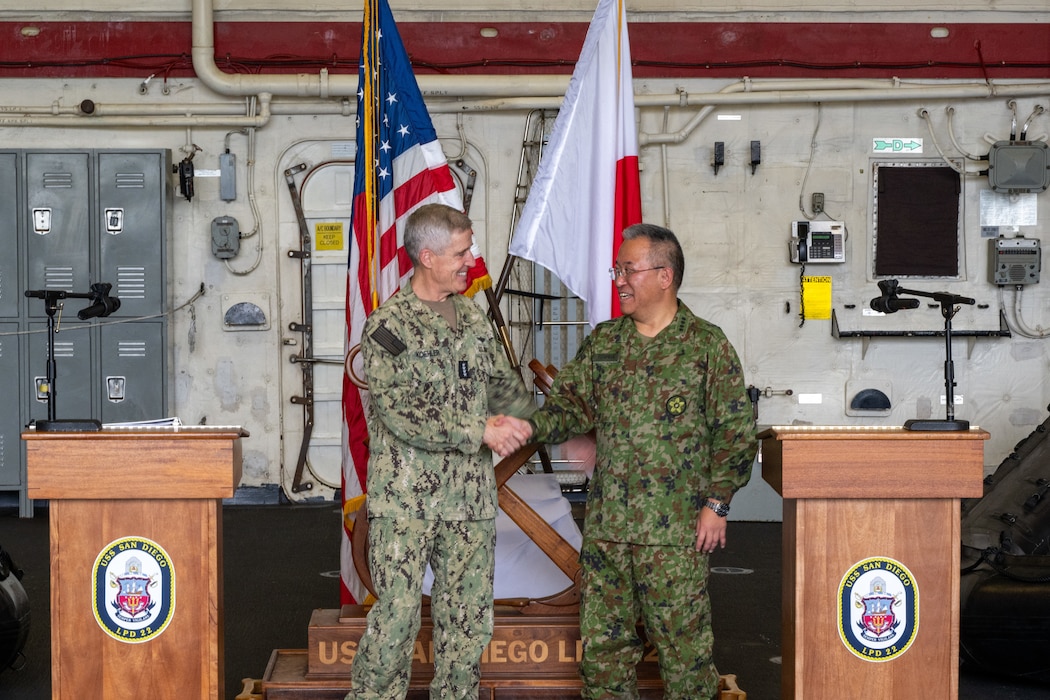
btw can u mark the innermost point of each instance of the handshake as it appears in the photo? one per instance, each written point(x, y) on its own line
point(506, 434)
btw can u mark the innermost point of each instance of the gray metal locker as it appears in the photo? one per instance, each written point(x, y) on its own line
point(10, 245)
point(69, 220)
point(131, 210)
point(10, 417)
point(74, 388)
point(132, 360)
point(58, 240)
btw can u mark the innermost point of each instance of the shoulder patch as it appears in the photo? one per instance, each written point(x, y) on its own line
point(388, 341)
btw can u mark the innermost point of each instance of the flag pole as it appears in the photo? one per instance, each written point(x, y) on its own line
point(501, 283)
point(494, 294)
point(370, 101)
point(501, 328)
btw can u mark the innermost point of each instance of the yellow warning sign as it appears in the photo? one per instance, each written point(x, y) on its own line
point(816, 297)
point(328, 235)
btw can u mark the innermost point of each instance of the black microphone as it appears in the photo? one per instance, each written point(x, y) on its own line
point(103, 307)
point(889, 305)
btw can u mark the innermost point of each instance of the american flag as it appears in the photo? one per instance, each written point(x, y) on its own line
point(399, 167)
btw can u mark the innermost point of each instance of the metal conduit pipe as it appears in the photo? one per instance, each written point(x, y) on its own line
point(344, 107)
point(447, 95)
point(742, 93)
point(898, 92)
point(747, 92)
point(90, 108)
point(87, 116)
point(325, 85)
point(751, 93)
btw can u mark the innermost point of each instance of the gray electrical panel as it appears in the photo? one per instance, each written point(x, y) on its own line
point(76, 218)
point(1014, 261)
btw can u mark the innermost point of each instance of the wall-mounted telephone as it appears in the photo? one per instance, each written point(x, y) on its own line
point(817, 242)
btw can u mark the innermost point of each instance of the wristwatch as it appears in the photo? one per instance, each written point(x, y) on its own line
point(720, 509)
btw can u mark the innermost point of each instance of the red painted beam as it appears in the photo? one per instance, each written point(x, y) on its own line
point(660, 49)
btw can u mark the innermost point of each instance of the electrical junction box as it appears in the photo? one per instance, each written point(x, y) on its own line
point(1013, 261)
point(227, 177)
point(225, 237)
point(1019, 166)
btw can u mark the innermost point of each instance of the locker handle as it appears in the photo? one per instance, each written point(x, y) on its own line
point(115, 387)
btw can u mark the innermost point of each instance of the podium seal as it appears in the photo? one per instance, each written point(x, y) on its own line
point(878, 609)
point(133, 589)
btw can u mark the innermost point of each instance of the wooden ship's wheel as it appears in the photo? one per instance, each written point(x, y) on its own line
point(560, 551)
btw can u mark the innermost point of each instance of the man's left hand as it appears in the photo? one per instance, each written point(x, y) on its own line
point(710, 531)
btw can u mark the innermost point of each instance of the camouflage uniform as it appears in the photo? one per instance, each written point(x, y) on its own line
point(431, 490)
point(673, 427)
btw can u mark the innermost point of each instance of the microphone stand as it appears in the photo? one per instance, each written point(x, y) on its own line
point(100, 295)
point(948, 304)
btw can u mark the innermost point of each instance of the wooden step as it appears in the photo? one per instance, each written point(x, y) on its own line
point(521, 644)
point(285, 679)
point(530, 656)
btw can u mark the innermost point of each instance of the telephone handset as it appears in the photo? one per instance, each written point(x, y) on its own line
point(817, 242)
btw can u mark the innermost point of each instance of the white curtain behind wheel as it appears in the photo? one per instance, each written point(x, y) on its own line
point(522, 569)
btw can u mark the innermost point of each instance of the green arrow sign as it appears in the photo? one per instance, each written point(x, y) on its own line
point(892, 145)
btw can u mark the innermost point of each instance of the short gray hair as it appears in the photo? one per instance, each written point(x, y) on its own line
point(431, 227)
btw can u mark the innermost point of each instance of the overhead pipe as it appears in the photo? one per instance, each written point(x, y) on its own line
point(750, 92)
point(742, 93)
point(90, 114)
point(325, 85)
point(520, 88)
point(450, 94)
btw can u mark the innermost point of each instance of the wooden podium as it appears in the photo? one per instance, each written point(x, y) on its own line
point(871, 557)
point(136, 557)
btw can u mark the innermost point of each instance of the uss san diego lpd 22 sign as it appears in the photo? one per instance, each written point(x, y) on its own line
point(133, 589)
point(878, 609)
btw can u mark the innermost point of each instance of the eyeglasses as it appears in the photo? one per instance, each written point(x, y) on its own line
point(616, 273)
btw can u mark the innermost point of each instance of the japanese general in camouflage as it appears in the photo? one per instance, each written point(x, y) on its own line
point(673, 423)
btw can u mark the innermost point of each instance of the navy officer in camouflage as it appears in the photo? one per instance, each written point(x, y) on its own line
point(664, 391)
point(439, 382)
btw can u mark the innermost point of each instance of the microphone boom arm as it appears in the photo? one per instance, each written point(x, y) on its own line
point(103, 305)
point(890, 303)
point(946, 300)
